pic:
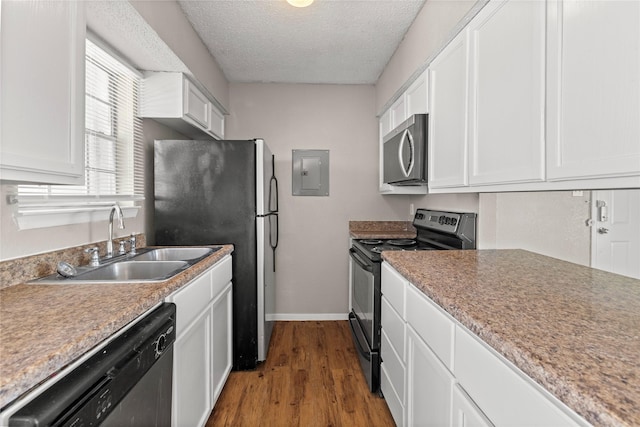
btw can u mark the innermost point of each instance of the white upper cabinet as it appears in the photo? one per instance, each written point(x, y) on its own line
point(538, 95)
point(448, 103)
point(416, 96)
point(398, 112)
point(593, 89)
point(42, 80)
point(174, 100)
point(506, 116)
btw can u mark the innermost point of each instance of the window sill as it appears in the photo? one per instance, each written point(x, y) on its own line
point(56, 218)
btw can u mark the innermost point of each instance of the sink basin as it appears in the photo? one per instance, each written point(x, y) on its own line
point(133, 271)
point(174, 254)
point(120, 272)
point(149, 265)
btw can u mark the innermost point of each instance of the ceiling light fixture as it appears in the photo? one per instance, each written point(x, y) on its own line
point(300, 3)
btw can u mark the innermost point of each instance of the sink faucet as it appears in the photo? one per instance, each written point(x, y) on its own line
point(117, 210)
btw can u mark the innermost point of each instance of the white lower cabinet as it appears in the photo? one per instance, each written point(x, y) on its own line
point(191, 370)
point(464, 411)
point(437, 373)
point(202, 351)
point(429, 385)
point(221, 362)
point(505, 394)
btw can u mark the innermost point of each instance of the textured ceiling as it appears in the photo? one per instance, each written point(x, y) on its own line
point(331, 41)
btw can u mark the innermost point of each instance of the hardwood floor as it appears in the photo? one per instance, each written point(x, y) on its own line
point(311, 378)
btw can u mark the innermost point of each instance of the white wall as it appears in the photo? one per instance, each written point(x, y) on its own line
point(549, 223)
point(312, 257)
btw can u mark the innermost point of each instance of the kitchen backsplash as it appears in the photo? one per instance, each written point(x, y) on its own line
point(21, 270)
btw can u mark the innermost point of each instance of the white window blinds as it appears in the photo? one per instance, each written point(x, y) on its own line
point(113, 145)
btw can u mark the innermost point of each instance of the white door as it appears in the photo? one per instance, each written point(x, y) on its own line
point(616, 231)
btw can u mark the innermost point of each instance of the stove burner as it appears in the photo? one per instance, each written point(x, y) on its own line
point(401, 242)
point(371, 241)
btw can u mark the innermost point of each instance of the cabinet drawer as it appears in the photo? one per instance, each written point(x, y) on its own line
point(220, 276)
point(503, 392)
point(191, 301)
point(431, 324)
point(394, 403)
point(393, 288)
point(393, 325)
point(395, 366)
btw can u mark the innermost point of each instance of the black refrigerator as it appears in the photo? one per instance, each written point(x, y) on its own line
point(225, 192)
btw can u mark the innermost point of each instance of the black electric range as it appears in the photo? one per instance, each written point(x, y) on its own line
point(435, 230)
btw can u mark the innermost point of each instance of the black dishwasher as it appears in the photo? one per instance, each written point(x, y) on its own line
point(126, 384)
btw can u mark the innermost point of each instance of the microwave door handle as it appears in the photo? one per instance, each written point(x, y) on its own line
point(406, 137)
point(358, 259)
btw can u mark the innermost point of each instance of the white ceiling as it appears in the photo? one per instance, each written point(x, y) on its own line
point(331, 41)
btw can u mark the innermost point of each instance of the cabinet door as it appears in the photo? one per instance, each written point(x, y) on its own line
point(221, 344)
point(42, 73)
point(465, 412)
point(385, 124)
point(429, 385)
point(507, 96)
point(448, 86)
point(593, 89)
point(192, 373)
point(217, 123)
point(416, 96)
point(196, 105)
point(398, 112)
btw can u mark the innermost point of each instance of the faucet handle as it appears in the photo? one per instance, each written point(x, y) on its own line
point(122, 250)
point(95, 256)
point(132, 241)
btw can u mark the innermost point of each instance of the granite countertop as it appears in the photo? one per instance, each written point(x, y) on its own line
point(381, 230)
point(573, 329)
point(43, 328)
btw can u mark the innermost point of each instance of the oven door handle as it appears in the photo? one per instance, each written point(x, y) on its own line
point(361, 349)
point(360, 261)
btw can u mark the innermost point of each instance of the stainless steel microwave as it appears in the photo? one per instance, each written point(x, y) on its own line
point(405, 153)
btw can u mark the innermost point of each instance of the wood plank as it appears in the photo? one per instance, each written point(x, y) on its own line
point(311, 377)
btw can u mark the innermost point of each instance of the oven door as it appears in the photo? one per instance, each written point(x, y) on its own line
point(363, 294)
point(364, 318)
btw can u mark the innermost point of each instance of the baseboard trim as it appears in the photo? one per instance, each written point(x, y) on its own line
point(308, 316)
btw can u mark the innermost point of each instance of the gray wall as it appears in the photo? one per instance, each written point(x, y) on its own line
point(312, 257)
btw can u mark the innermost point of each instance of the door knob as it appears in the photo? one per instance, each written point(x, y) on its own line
point(603, 230)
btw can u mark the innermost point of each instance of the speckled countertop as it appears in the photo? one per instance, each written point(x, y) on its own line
point(43, 328)
point(381, 230)
point(573, 329)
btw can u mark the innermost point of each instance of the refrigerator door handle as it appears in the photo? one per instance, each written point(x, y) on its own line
point(273, 185)
point(271, 237)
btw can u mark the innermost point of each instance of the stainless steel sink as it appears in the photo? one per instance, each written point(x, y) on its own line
point(174, 254)
point(148, 265)
point(130, 271)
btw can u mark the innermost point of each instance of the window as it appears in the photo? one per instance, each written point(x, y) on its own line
point(113, 151)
